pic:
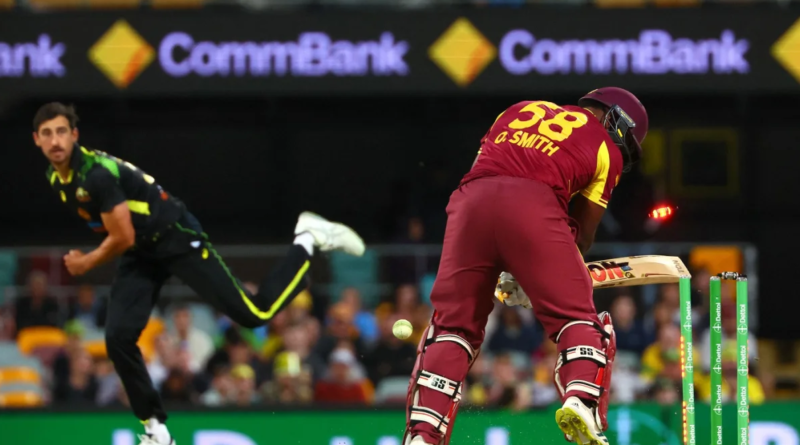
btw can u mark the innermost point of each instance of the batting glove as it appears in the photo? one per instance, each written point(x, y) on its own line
point(510, 293)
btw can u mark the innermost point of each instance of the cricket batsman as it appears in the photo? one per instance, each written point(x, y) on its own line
point(511, 213)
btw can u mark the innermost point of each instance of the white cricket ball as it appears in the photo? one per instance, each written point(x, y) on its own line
point(402, 329)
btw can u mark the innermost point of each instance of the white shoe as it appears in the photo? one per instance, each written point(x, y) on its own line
point(417, 440)
point(330, 235)
point(579, 423)
point(149, 439)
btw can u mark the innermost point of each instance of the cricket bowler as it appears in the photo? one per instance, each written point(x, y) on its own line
point(512, 213)
point(154, 237)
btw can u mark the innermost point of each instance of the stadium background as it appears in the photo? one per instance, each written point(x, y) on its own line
point(253, 141)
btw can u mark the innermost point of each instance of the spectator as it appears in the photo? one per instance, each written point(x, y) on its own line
point(665, 393)
point(234, 351)
point(626, 383)
point(256, 337)
point(404, 269)
point(364, 321)
point(661, 316)
point(503, 392)
point(514, 335)
point(404, 304)
point(300, 308)
point(630, 332)
point(406, 301)
point(107, 382)
point(163, 360)
point(177, 387)
point(8, 327)
point(670, 297)
point(477, 382)
point(38, 308)
point(728, 324)
point(543, 391)
point(407, 305)
point(220, 391)
point(661, 360)
point(420, 321)
point(120, 400)
point(730, 367)
point(340, 329)
point(62, 364)
point(188, 338)
point(81, 385)
point(91, 311)
point(274, 339)
point(298, 342)
point(244, 385)
point(391, 356)
point(340, 385)
point(291, 383)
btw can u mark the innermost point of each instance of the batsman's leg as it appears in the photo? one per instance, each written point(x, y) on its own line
point(462, 301)
point(538, 248)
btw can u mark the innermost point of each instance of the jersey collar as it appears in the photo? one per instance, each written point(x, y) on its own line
point(75, 163)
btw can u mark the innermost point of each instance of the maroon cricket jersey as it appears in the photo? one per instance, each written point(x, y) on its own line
point(564, 147)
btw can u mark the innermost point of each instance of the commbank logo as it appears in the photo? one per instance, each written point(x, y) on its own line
point(121, 54)
point(785, 50)
point(36, 59)
point(462, 52)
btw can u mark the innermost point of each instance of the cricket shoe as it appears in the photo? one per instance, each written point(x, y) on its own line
point(149, 439)
point(417, 440)
point(579, 424)
point(330, 235)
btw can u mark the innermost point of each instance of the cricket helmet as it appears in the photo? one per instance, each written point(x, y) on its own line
point(625, 119)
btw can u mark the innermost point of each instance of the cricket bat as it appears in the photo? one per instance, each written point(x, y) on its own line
point(636, 271)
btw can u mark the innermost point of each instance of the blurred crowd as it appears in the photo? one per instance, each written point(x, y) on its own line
point(345, 353)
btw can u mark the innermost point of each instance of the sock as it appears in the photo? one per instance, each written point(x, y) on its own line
point(306, 240)
point(158, 430)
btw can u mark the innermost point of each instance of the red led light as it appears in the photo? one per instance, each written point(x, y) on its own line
point(662, 212)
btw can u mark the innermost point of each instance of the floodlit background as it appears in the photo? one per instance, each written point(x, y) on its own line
point(369, 112)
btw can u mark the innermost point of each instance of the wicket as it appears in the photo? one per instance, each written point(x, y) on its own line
point(715, 350)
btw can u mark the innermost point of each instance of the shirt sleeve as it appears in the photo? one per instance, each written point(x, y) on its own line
point(104, 190)
point(605, 178)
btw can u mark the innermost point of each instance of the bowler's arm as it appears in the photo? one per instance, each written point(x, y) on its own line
point(121, 235)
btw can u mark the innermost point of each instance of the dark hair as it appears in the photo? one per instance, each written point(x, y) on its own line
point(179, 307)
point(51, 111)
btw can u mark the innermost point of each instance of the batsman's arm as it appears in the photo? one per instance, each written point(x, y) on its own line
point(588, 215)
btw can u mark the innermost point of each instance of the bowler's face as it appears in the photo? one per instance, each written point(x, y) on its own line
point(56, 139)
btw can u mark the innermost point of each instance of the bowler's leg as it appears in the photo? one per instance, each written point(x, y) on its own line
point(133, 295)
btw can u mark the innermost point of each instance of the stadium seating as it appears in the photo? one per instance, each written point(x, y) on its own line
point(360, 272)
point(19, 374)
point(9, 350)
point(21, 395)
point(40, 337)
point(392, 390)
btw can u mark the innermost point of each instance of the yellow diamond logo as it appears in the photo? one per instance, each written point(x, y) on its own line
point(462, 52)
point(787, 50)
point(121, 54)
